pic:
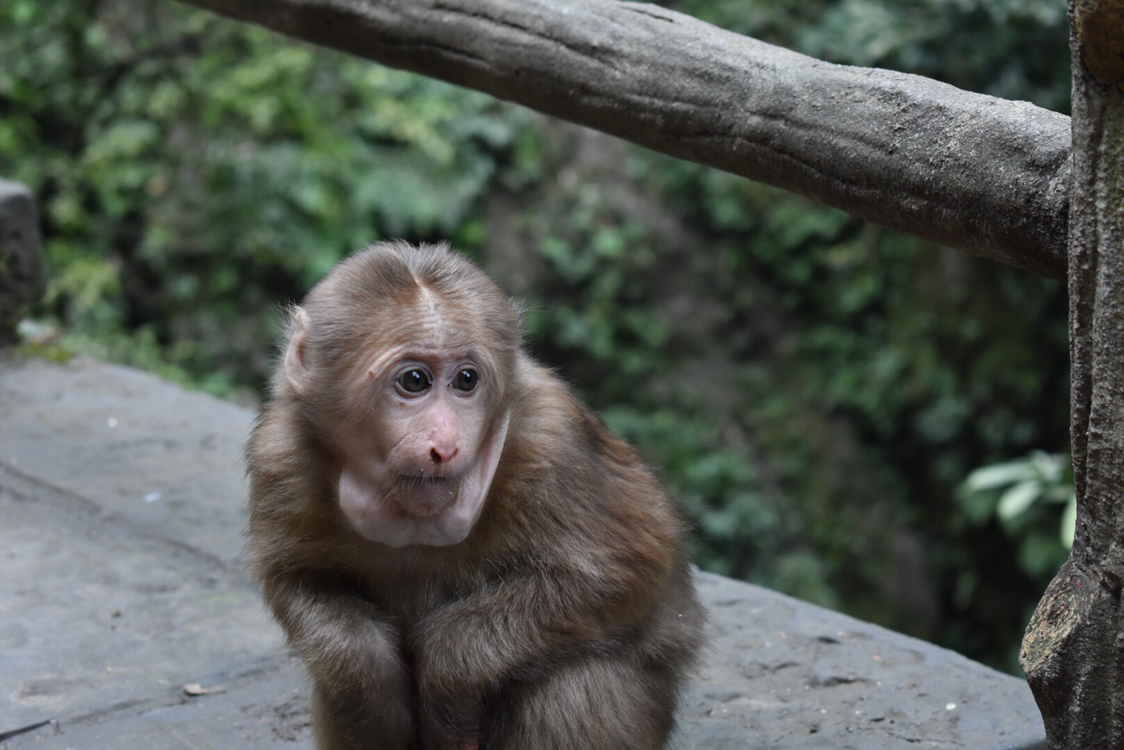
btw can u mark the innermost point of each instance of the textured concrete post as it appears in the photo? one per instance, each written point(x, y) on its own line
point(1073, 652)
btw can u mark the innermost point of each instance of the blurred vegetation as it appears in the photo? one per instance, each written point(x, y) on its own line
point(1019, 494)
point(816, 389)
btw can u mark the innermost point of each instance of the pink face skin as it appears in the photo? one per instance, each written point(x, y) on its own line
point(429, 484)
point(418, 469)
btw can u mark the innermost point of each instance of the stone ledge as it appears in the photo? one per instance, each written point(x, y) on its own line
point(123, 504)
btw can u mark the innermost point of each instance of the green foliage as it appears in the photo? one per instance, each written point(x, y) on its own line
point(1033, 499)
point(901, 365)
point(191, 180)
point(815, 389)
point(1028, 502)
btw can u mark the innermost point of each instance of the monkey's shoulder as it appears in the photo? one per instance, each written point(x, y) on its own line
point(561, 434)
point(568, 477)
point(288, 482)
point(274, 439)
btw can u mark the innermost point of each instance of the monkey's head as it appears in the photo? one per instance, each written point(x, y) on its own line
point(400, 360)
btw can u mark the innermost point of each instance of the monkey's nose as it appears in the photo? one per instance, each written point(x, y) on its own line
point(439, 457)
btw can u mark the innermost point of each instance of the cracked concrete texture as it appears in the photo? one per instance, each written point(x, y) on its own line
point(122, 499)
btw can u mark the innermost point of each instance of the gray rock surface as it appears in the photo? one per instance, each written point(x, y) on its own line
point(22, 275)
point(122, 501)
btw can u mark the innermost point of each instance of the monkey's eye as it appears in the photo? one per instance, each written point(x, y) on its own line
point(466, 380)
point(413, 381)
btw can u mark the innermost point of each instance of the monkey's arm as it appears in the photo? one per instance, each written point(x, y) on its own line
point(352, 653)
point(513, 628)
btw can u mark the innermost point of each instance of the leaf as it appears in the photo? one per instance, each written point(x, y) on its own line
point(1060, 493)
point(1018, 499)
point(1049, 466)
point(1069, 523)
point(998, 475)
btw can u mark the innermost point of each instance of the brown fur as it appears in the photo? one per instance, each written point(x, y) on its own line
point(566, 618)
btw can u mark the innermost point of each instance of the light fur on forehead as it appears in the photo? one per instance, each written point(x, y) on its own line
point(348, 312)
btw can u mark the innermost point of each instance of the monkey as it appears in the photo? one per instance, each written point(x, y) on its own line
point(460, 551)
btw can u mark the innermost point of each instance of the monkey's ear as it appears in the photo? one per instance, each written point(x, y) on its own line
point(296, 355)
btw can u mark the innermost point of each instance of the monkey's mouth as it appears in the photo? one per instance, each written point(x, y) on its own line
point(417, 480)
point(426, 494)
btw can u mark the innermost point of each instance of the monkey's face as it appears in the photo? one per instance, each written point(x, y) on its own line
point(422, 424)
point(437, 436)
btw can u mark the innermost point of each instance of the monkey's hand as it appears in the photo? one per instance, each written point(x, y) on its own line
point(466, 650)
point(456, 668)
point(363, 688)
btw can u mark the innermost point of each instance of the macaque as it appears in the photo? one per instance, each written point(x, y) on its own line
point(462, 554)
